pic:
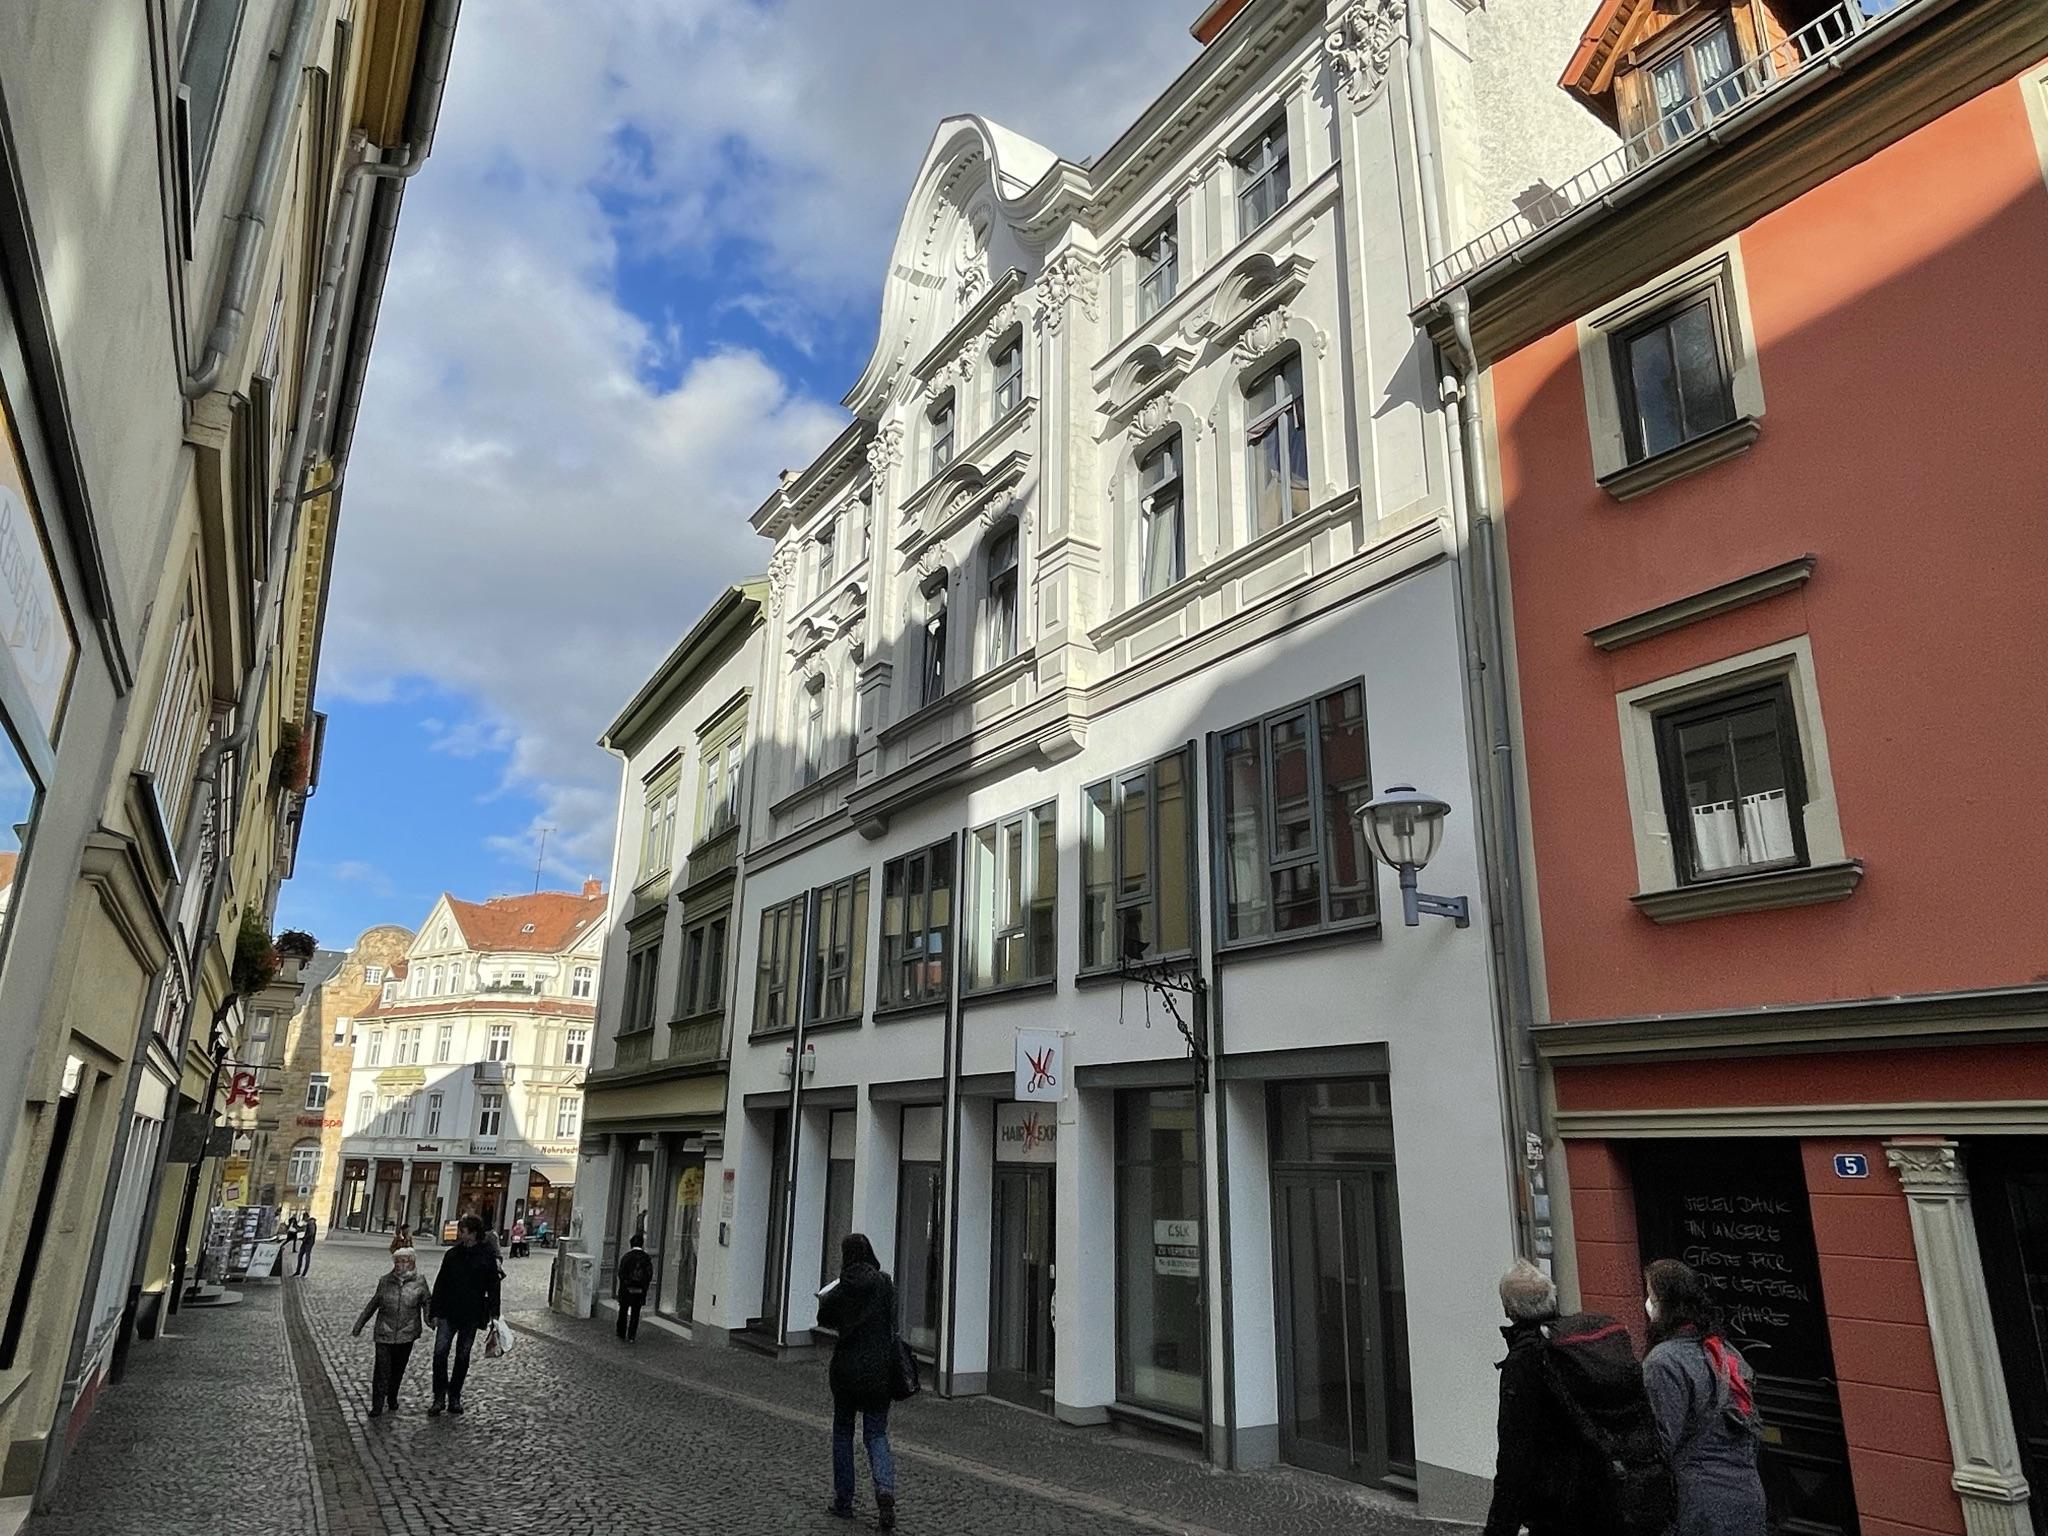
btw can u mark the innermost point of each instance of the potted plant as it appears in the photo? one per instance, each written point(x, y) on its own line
point(296, 944)
point(292, 763)
point(256, 957)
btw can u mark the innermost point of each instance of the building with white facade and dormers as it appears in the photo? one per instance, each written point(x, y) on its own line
point(466, 1085)
point(1138, 571)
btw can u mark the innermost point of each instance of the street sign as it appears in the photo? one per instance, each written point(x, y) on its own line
point(1851, 1165)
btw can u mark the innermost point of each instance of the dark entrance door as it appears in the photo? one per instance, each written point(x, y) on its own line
point(1021, 1283)
point(1736, 1211)
point(773, 1273)
point(2009, 1191)
point(1345, 1405)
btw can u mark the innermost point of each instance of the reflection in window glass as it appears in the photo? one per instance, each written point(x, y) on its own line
point(1159, 1274)
point(17, 806)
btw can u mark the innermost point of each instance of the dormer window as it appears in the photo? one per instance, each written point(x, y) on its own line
point(1686, 88)
point(1262, 178)
point(941, 419)
point(1158, 268)
point(999, 605)
point(1009, 376)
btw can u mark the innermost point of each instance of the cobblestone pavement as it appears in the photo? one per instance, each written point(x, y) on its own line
point(578, 1432)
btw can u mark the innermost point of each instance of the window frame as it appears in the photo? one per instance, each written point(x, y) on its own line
point(658, 823)
point(1272, 860)
point(814, 703)
point(1158, 258)
point(373, 1049)
point(1288, 417)
point(296, 1171)
point(490, 1113)
point(500, 1035)
point(848, 896)
point(938, 973)
point(942, 426)
point(319, 1089)
point(1669, 721)
point(1263, 163)
point(1664, 320)
point(778, 966)
point(643, 972)
point(1151, 896)
point(932, 669)
point(1006, 374)
point(576, 1046)
point(1171, 448)
point(444, 1043)
point(704, 966)
point(1031, 925)
point(1001, 587)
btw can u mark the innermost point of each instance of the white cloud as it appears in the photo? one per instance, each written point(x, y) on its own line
point(530, 522)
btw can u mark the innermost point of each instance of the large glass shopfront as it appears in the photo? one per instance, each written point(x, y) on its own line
point(919, 1214)
point(1020, 1353)
point(1159, 1265)
point(838, 1193)
point(677, 1295)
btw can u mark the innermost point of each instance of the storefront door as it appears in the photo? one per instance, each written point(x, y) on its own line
point(679, 1261)
point(2009, 1192)
point(1021, 1275)
point(1345, 1405)
point(1736, 1210)
point(772, 1271)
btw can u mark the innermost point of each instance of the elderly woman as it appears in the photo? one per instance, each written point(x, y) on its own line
point(402, 1306)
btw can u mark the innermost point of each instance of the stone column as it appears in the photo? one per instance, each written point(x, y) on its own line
point(1987, 1476)
point(444, 1194)
point(370, 1193)
point(515, 1193)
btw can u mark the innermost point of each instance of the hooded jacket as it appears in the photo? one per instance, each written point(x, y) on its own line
point(861, 1308)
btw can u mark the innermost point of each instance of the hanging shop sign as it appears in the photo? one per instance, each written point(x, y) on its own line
point(1041, 1066)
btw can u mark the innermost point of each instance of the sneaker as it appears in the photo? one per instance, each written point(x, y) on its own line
point(839, 1511)
point(885, 1511)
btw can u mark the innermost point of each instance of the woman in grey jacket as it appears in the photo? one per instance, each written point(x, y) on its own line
point(1700, 1392)
point(402, 1306)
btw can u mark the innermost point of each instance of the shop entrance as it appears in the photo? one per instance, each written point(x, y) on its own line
point(1736, 1210)
point(2009, 1193)
point(1021, 1276)
point(1345, 1402)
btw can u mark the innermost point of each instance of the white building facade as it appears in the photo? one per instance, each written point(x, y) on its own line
point(466, 1085)
point(1135, 576)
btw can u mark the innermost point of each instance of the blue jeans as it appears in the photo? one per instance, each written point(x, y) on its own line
point(447, 1334)
point(875, 1431)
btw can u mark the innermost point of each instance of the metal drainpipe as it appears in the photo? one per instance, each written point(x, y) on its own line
point(949, 1205)
point(1527, 1100)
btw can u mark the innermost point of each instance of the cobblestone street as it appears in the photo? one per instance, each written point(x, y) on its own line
point(252, 1419)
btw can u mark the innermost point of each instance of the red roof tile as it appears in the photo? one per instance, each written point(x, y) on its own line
point(545, 923)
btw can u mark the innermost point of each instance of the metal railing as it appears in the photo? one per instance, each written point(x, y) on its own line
point(1678, 123)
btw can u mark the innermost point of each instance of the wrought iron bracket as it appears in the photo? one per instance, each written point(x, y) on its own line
point(1172, 980)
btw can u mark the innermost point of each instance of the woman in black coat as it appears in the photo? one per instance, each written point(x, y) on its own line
point(860, 1306)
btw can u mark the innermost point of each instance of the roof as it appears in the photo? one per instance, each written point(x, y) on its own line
point(543, 923)
point(731, 612)
point(325, 965)
point(1590, 75)
point(8, 861)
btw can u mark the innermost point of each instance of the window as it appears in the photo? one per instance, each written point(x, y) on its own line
point(500, 1048)
point(823, 552)
point(419, 983)
point(1138, 864)
point(941, 422)
point(210, 37)
point(433, 1127)
point(366, 1112)
point(658, 837)
point(342, 1025)
point(516, 978)
point(920, 1213)
point(1262, 178)
point(304, 1172)
point(839, 940)
point(260, 1028)
point(1009, 376)
point(1290, 854)
point(405, 1109)
point(1158, 1249)
point(444, 1043)
point(778, 963)
point(1158, 268)
point(1699, 80)
point(434, 986)
point(583, 981)
point(409, 1044)
point(643, 964)
point(932, 662)
point(1674, 378)
point(718, 776)
point(1161, 546)
point(373, 1054)
point(390, 993)
point(1276, 446)
point(454, 978)
point(999, 611)
point(1013, 895)
point(575, 1047)
point(490, 1113)
point(704, 968)
point(372, 974)
point(811, 731)
point(176, 734)
point(917, 918)
point(568, 1116)
point(1734, 785)
point(318, 1086)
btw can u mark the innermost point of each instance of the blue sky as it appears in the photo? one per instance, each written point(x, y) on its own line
point(631, 286)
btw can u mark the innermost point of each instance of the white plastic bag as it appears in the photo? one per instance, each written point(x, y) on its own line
point(498, 1342)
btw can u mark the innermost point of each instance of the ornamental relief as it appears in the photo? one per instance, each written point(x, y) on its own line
point(1263, 335)
point(1360, 45)
point(885, 452)
point(1151, 417)
point(1070, 278)
point(781, 567)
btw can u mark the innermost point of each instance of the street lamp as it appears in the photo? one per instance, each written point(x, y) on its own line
point(1404, 828)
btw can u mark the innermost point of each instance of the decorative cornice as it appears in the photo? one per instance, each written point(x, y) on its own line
point(1725, 597)
point(1804, 887)
point(1360, 45)
point(1151, 416)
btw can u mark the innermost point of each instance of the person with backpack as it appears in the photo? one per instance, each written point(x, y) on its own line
point(1578, 1450)
point(636, 1278)
point(860, 1306)
point(1701, 1392)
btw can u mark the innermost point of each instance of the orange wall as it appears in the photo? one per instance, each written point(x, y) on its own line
point(1904, 354)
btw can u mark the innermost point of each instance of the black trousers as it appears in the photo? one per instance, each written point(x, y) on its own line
point(629, 1317)
point(391, 1362)
point(305, 1256)
point(458, 1339)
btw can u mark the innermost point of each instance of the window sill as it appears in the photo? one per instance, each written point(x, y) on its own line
point(828, 1026)
point(1041, 986)
point(780, 1032)
point(1646, 475)
point(840, 774)
point(1106, 976)
point(1320, 938)
point(895, 1011)
point(1811, 886)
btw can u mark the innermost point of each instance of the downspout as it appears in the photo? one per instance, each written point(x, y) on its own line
point(949, 1205)
point(785, 1256)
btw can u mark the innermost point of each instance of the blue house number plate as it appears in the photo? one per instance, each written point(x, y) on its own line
point(1851, 1165)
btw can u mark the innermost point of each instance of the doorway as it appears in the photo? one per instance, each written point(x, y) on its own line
point(1346, 1408)
point(2009, 1193)
point(774, 1273)
point(1021, 1280)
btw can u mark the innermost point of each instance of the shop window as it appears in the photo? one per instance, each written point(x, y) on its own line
point(1138, 865)
point(778, 962)
point(1159, 1268)
point(917, 920)
point(919, 1212)
point(1290, 855)
point(838, 1192)
point(1013, 891)
point(678, 1295)
point(839, 936)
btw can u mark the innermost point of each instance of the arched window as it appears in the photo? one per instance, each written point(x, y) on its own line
point(1162, 531)
point(932, 659)
point(1276, 446)
point(999, 596)
point(811, 730)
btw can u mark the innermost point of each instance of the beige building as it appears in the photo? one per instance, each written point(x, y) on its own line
point(198, 199)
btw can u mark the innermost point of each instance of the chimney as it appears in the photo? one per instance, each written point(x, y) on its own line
point(1214, 18)
point(592, 888)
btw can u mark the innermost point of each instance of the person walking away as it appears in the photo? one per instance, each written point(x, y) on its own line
point(636, 1278)
point(465, 1299)
point(402, 1305)
point(860, 1306)
point(402, 1238)
point(1702, 1393)
point(1578, 1450)
point(309, 1229)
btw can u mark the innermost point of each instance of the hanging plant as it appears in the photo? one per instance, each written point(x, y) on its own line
point(255, 956)
point(296, 944)
point(292, 764)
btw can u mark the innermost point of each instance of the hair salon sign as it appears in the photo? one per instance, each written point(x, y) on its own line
point(1041, 1066)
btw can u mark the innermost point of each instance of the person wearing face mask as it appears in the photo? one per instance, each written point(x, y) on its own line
point(1700, 1390)
point(402, 1306)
